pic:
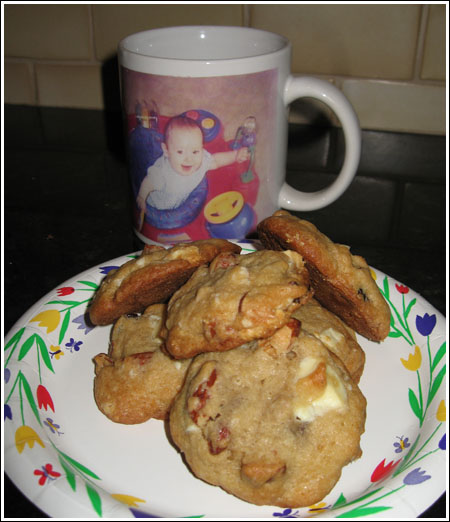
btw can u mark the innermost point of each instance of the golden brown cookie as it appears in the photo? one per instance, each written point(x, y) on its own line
point(151, 278)
point(335, 335)
point(236, 299)
point(342, 282)
point(137, 381)
point(272, 422)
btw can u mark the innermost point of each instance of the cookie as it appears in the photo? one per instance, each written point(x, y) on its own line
point(272, 422)
point(151, 278)
point(342, 282)
point(335, 335)
point(236, 299)
point(137, 381)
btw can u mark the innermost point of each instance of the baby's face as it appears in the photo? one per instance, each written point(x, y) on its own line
point(184, 148)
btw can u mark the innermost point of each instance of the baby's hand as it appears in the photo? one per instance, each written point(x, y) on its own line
point(242, 155)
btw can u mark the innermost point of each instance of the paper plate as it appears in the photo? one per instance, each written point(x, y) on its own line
point(71, 461)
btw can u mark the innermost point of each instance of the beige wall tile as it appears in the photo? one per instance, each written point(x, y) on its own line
point(376, 41)
point(70, 86)
point(433, 65)
point(114, 22)
point(397, 106)
point(19, 84)
point(48, 31)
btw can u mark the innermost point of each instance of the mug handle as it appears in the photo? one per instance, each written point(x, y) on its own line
point(300, 87)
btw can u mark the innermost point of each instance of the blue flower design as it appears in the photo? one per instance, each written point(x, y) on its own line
point(416, 476)
point(73, 345)
point(84, 323)
point(443, 442)
point(107, 269)
point(141, 514)
point(425, 324)
point(7, 413)
point(7, 375)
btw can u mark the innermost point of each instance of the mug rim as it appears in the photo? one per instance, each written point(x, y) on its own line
point(125, 47)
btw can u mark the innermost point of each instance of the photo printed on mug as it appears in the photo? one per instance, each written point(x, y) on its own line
point(200, 150)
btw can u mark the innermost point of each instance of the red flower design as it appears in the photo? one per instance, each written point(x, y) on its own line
point(46, 472)
point(383, 470)
point(44, 398)
point(402, 288)
point(66, 290)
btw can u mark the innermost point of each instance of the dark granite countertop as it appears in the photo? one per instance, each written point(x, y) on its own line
point(67, 209)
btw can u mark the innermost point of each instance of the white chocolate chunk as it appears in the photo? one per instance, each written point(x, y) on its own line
point(334, 396)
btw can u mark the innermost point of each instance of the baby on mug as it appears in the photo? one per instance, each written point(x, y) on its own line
point(183, 165)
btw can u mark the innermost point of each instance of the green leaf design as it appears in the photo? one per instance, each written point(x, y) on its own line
point(80, 467)
point(414, 403)
point(408, 308)
point(15, 338)
point(30, 396)
point(436, 383)
point(44, 352)
point(394, 334)
point(26, 347)
point(360, 499)
point(439, 354)
point(340, 501)
point(386, 287)
point(95, 499)
point(363, 511)
point(407, 457)
point(64, 326)
point(70, 475)
point(89, 283)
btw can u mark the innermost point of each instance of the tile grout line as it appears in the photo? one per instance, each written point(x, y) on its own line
point(420, 44)
point(246, 15)
point(32, 69)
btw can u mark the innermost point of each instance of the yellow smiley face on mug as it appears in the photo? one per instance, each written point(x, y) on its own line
point(224, 207)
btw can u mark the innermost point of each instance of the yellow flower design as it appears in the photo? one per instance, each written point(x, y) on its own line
point(26, 435)
point(129, 500)
point(56, 352)
point(318, 508)
point(441, 413)
point(414, 360)
point(373, 274)
point(48, 319)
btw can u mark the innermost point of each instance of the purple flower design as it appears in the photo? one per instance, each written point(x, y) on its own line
point(107, 269)
point(443, 442)
point(7, 375)
point(416, 476)
point(83, 323)
point(287, 513)
point(7, 413)
point(73, 345)
point(425, 324)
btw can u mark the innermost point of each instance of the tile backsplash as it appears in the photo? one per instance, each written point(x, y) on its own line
point(388, 59)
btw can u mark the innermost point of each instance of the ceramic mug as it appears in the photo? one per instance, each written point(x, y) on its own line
point(206, 118)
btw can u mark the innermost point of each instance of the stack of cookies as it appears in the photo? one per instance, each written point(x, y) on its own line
point(252, 359)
